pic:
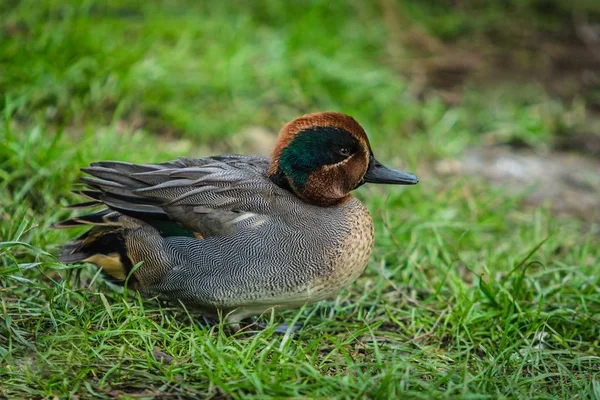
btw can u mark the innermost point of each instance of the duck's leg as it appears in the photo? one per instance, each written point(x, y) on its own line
point(235, 318)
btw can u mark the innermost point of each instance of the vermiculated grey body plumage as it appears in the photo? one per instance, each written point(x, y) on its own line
point(250, 244)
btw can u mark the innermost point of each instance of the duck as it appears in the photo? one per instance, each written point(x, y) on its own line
point(234, 236)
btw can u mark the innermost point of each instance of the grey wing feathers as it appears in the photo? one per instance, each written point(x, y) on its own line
point(208, 195)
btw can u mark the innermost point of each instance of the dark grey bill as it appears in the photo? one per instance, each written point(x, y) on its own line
point(379, 173)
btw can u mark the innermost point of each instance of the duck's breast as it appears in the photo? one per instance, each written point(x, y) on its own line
point(346, 260)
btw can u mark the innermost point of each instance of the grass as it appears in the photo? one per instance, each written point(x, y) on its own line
point(469, 293)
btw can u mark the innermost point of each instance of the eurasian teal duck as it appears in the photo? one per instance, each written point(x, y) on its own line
point(237, 234)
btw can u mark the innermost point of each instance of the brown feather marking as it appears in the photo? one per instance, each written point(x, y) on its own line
point(331, 184)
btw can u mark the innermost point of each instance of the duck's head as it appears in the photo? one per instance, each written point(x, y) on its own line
point(321, 157)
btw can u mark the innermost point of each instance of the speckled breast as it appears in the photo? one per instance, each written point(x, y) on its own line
point(348, 259)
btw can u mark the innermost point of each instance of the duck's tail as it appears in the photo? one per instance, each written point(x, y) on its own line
point(103, 245)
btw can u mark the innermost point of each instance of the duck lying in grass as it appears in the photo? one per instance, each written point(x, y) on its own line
point(237, 235)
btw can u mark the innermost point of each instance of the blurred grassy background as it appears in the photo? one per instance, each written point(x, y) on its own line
point(476, 288)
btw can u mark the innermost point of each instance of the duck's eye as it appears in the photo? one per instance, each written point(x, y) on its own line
point(344, 151)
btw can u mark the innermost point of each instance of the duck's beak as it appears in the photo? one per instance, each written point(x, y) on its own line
point(378, 173)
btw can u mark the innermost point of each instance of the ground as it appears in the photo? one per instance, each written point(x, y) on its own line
point(484, 282)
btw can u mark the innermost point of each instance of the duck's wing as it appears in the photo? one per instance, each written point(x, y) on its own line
point(208, 196)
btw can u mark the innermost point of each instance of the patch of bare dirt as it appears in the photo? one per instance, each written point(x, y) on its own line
point(569, 182)
point(584, 143)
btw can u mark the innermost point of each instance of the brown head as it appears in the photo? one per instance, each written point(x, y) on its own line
point(321, 157)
